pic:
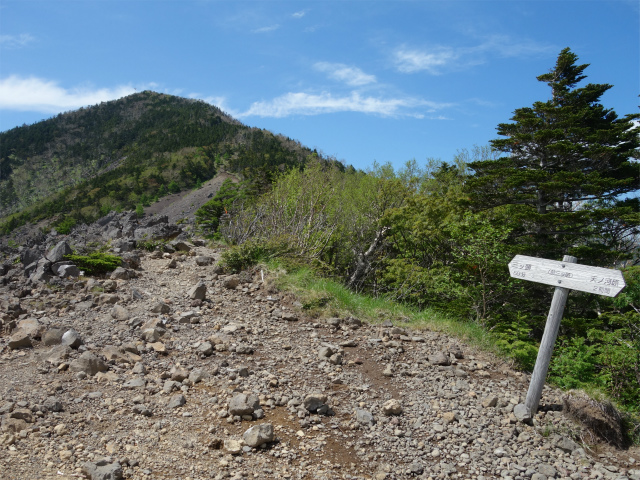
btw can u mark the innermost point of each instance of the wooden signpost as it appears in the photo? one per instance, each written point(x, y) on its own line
point(565, 275)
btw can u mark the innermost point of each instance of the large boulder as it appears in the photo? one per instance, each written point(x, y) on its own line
point(58, 252)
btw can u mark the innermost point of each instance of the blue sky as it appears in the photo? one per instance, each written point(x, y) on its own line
point(364, 81)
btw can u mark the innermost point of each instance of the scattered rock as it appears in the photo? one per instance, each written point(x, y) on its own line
point(258, 435)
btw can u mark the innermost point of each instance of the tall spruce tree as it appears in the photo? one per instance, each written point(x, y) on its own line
point(569, 162)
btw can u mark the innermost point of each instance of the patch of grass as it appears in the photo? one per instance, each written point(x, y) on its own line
point(323, 297)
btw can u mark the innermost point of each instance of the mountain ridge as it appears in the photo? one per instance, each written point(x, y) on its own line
point(152, 139)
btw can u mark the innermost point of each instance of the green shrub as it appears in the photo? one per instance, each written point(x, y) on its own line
point(573, 364)
point(65, 225)
point(515, 340)
point(252, 252)
point(95, 263)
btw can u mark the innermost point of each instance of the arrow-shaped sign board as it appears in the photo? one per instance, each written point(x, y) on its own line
point(601, 281)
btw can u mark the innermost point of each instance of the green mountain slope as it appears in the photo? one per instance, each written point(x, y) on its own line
point(124, 152)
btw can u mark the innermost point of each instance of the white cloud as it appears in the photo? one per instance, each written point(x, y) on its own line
point(352, 76)
point(268, 29)
point(299, 14)
point(315, 104)
point(40, 95)
point(410, 61)
point(437, 59)
point(16, 41)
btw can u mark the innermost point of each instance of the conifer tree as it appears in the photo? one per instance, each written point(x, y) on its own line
point(569, 163)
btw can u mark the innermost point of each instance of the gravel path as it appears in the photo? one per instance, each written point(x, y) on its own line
point(184, 373)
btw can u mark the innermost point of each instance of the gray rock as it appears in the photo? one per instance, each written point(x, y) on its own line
point(567, 445)
point(88, 363)
point(363, 417)
point(19, 339)
point(103, 470)
point(242, 404)
point(392, 407)
point(314, 401)
point(68, 271)
point(522, 413)
point(135, 383)
point(198, 292)
point(439, 359)
point(490, 401)
point(152, 335)
point(58, 252)
point(231, 282)
point(176, 401)
point(205, 348)
point(120, 274)
point(160, 307)
point(58, 354)
point(547, 470)
point(118, 312)
point(203, 260)
point(180, 245)
point(53, 404)
point(258, 435)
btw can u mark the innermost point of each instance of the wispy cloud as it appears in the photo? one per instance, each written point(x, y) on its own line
point(268, 29)
point(46, 96)
point(299, 14)
point(16, 41)
point(352, 76)
point(439, 59)
point(411, 60)
point(315, 104)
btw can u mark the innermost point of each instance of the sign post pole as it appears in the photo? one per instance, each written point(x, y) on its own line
point(565, 276)
point(546, 345)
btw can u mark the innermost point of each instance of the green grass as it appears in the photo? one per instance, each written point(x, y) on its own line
point(323, 298)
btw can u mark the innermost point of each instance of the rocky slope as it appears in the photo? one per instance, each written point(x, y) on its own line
point(170, 369)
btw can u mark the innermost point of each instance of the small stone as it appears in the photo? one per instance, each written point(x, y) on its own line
point(490, 402)
point(258, 435)
point(439, 359)
point(364, 417)
point(177, 401)
point(233, 447)
point(118, 312)
point(20, 339)
point(243, 404)
point(392, 407)
point(314, 401)
point(160, 307)
point(203, 260)
point(103, 470)
point(89, 364)
point(198, 292)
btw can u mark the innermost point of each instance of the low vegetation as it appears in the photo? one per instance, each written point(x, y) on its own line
point(438, 238)
point(95, 263)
